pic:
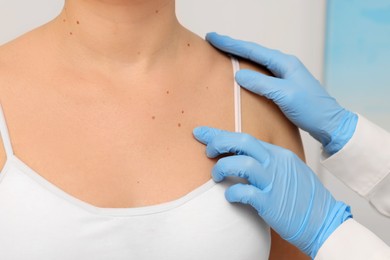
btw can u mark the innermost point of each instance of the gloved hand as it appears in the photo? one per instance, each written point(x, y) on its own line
point(298, 94)
point(283, 190)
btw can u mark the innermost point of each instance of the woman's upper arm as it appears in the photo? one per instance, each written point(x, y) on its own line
point(264, 120)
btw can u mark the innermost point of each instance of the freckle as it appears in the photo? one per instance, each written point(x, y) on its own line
point(182, 111)
point(139, 53)
point(188, 44)
point(179, 125)
point(64, 20)
point(77, 22)
point(137, 182)
point(168, 92)
point(70, 33)
point(156, 11)
point(207, 87)
point(153, 117)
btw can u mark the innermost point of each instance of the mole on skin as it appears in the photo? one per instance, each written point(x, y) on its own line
point(188, 44)
point(182, 111)
point(77, 22)
point(153, 117)
point(167, 91)
point(179, 125)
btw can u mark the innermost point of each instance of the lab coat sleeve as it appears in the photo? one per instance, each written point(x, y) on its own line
point(364, 164)
point(353, 241)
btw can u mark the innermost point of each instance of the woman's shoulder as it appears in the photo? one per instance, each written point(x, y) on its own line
point(260, 116)
point(17, 51)
point(20, 58)
point(9, 68)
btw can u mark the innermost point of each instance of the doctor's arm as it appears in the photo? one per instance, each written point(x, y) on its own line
point(289, 197)
point(355, 150)
point(364, 164)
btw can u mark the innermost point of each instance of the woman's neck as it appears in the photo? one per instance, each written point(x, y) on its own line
point(114, 34)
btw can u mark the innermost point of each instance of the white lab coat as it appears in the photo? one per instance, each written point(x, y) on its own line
point(363, 165)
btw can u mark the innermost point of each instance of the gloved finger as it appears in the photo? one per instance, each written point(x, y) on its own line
point(238, 143)
point(205, 134)
point(277, 62)
point(270, 87)
point(221, 142)
point(244, 167)
point(246, 194)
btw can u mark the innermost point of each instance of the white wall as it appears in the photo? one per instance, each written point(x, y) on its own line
point(19, 16)
point(292, 26)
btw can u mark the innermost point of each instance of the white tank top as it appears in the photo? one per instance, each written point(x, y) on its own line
point(39, 221)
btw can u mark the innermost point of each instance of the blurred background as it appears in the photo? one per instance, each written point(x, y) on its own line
point(345, 44)
point(357, 63)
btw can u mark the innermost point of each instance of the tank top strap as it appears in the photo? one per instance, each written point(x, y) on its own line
point(237, 96)
point(4, 134)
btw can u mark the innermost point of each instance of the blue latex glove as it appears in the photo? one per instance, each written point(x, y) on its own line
point(283, 190)
point(298, 94)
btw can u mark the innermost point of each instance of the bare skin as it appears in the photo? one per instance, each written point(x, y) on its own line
point(102, 101)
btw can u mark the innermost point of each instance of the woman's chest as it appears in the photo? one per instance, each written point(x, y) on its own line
point(125, 152)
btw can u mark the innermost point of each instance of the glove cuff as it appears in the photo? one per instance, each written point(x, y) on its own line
point(340, 213)
point(342, 134)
